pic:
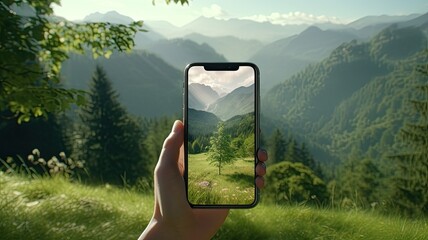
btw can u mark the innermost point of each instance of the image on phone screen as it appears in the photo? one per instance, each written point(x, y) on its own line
point(221, 137)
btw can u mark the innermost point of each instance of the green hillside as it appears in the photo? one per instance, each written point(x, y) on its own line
point(356, 91)
point(239, 101)
point(201, 123)
point(57, 209)
point(283, 58)
point(146, 85)
point(240, 124)
point(371, 117)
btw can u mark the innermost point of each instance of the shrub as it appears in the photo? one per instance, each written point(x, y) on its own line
point(289, 182)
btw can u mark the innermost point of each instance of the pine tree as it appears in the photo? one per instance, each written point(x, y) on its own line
point(112, 143)
point(306, 157)
point(291, 154)
point(411, 181)
point(221, 151)
point(277, 147)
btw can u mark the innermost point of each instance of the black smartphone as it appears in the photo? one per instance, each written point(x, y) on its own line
point(221, 121)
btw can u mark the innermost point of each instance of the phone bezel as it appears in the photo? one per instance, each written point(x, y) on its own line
point(224, 66)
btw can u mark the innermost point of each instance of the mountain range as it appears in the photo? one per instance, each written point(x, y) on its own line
point(355, 99)
point(283, 58)
point(341, 88)
point(240, 101)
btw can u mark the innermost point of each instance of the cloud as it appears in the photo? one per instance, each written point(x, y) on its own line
point(222, 81)
point(292, 18)
point(214, 11)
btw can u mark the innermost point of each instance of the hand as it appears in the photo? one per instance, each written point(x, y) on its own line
point(173, 218)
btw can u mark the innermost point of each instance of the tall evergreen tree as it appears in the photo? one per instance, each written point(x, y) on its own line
point(112, 144)
point(411, 181)
point(292, 152)
point(277, 147)
point(306, 157)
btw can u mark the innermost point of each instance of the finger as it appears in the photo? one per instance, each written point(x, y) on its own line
point(171, 147)
point(262, 155)
point(261, 169)
point(260, 182)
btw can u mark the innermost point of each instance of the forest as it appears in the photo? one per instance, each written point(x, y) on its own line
point(345, 134)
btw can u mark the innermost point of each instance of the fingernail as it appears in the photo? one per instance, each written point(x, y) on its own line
point(174, 127)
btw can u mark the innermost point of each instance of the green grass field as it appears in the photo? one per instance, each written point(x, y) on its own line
point(235, 185)
point(47, 208)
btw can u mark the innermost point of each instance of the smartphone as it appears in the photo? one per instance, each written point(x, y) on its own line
point(221, 123)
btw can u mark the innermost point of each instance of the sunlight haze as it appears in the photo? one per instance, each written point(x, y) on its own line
point(275, 11)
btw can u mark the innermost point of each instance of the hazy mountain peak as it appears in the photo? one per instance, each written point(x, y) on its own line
point(111, 16)
point(418, 21)
point(311, 30)
point(243, 89)
point(201, 96)
point(203, 86)
point(381, 19)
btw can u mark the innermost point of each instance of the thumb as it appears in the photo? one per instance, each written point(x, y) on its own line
point(169, 184)
point(171, 147)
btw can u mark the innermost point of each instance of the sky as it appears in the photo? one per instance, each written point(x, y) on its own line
point(222, 81)
point(274, 11)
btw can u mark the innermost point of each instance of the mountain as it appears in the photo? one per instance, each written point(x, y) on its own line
point(382, 19)
point(283, 58)
point(147, 86)
point(111, 16)
point(163, 27)
point(354, 99)
point(201, 96)
point(201, 123)
point(233, 48)
point(240, 125)
point(238, 102)
point(180, 52)
point(239, 28)
point(421, 21)
point(367, 27)
point(142, 39)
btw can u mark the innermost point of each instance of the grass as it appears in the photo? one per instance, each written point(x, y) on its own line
point(235, 185)
point(301, 222)
point(54, 208)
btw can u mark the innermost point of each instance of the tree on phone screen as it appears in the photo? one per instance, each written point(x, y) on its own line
point(221, 152)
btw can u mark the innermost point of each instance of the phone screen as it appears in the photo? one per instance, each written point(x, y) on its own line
point(221, 140)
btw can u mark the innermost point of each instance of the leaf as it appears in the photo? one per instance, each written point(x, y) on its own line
point(107, 54)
